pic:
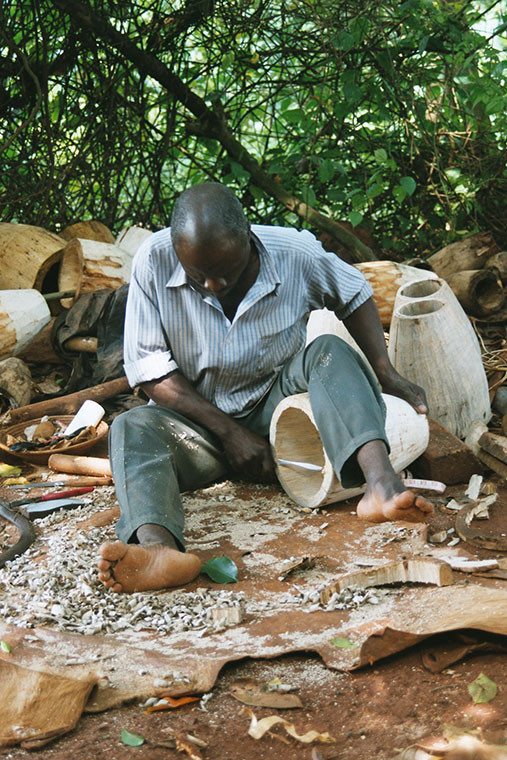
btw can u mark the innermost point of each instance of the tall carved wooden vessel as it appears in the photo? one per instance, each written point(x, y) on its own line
point(437, 289)
point(431, 346)
point(294, 437)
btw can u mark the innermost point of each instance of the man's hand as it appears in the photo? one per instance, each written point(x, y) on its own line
point(396, 385)
point(249, 454)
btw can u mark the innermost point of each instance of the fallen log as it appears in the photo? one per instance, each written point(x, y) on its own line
point(88, 265)
point(79, 465)
point(92, 230)
point(27, 253)
point(67, 404)
point(469, 253)
point(479, 291)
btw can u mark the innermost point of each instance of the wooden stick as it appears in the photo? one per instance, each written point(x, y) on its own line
point(79, 465)
point(67, 404)
point(86, 343)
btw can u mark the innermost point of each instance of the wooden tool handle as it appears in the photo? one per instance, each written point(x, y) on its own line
point(79, 465)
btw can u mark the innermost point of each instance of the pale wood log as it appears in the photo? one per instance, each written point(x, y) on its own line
point(40, 349)
point(469, 253)
point(430, 347)
point(26, 255)
point(385, 277)
point(131, 238)
point(499, 261)
point(23, 314)
point(85, 343)
point(494, 444)
point(92, 230)
point(88, 265)
point(416, 570)
point(294, 436)
point(479, 291)
point(80, 465)
point(67, 404)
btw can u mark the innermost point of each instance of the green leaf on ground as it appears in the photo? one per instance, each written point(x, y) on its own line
point(483, 689)
point(343, 643)
point(5, 647)
point(221, 570)
point(131, 740)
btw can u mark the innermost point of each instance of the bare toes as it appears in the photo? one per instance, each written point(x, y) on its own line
point(113, 551)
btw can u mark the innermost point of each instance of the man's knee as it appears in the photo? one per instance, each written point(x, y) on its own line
point(326, 348)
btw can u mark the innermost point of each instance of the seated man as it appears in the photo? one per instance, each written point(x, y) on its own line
point(214, 334)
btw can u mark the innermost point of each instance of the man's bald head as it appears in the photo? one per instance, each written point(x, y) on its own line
point(211, 238)
point(206, 213)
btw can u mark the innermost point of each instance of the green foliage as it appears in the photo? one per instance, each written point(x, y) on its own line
point(390, 115)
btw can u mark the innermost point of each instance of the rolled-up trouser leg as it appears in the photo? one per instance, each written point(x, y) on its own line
point(155, 454)
point(346, 402)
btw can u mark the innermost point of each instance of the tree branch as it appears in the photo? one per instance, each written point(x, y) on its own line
point(211, 122)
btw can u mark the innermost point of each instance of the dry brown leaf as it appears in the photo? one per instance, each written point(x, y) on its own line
point(183, 745)
point(259, 727)
point(251, 692)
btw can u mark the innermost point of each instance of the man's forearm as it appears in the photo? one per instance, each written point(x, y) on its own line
point(365, 327)
point(175, 392)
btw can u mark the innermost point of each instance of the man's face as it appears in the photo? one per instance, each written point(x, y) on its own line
point(215, 266)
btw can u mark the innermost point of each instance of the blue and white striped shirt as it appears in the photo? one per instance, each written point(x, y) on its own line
point(170, 325)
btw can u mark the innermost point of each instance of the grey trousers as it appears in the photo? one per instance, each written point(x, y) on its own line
point(156, 453)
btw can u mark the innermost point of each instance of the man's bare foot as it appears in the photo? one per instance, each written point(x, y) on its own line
point(383, 502)
point(131, 567)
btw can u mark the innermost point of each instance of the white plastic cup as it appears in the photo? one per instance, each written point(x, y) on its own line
point(90, 413)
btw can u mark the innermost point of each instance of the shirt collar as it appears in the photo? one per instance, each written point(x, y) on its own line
point(268, 278)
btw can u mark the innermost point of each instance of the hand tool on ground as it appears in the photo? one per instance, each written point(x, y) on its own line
point(50, 496)
point(85, 481)
point(300, 465)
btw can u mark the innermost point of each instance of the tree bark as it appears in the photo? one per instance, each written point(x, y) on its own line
point(212, 123)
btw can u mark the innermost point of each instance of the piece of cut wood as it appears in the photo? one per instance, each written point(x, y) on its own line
point(88, 265)
point(27, 253)
point(227, 615)
point(416, 570)
point(385, 277)
point(23, 314)
point(15, 383)
point(465, 565)
point(92, 230)
point(80, 465)
point(493, 463)
point(494, 444)
point(479, 291)
point(471, 252)
point(67, 404)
